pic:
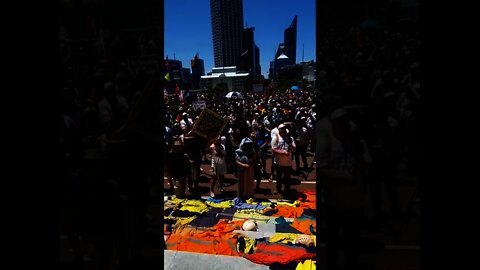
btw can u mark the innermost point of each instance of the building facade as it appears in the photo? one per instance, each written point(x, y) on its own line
point(186, 75)
point(198, 70)
point(229, 76)
point(247, 63)
point(175, 69)
point(227, 27)
point(258, 68)
point(290, 40)
point(286, 52)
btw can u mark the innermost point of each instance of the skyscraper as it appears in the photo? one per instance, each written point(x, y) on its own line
point(198, 70)
point(290, 40)
point(258, 68)
point(286, 53)
point(227, 27)
point(248, 60)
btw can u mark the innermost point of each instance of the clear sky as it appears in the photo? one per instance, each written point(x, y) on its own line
point(188, 28)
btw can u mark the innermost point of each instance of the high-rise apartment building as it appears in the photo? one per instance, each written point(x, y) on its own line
point(227, 27)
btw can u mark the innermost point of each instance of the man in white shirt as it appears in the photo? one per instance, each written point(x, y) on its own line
point(186, 123)
point(283, 146)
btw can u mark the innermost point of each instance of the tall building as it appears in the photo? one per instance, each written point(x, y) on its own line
point(227, 26)
point(175, 69)
point(186, 74)
point(248, 60)
point(198, 70)
point(258, 68)
point(287, 51)
point(290, 40)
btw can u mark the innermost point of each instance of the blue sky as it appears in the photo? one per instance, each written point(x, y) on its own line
point(188, 28)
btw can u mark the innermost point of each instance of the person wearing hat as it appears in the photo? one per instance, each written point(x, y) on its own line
point(283, 146)
point(178, 167)
point(186, 123)
point(245, 159)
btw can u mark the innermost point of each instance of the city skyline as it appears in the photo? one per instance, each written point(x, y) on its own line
point(188, 29)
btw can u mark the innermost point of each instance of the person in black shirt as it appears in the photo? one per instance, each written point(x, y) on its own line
point(178, 165)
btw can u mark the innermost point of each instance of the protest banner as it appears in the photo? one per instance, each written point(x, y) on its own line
point(200, 104)
point(209, 125)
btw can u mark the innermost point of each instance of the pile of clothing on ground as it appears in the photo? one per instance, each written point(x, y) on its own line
point(255, 230)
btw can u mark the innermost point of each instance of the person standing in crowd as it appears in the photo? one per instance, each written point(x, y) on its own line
point(186, 124)
point(385, 157)
point(257, 172)
point(342, 161)
point(301, 142)
point(245, 159)
point(219, 154)
point(262, 140)
point(168, 140)
point(193, 146)
point(178, 167)
point(283, 145)
point(234, 144)
point(310, 124)
point(113, 109)
point(273, 169)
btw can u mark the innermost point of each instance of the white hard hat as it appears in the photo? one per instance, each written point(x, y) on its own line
point(249, 225)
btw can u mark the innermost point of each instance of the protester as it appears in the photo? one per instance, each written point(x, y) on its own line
point(219, 164)
point(283, 145)
point(245, 158)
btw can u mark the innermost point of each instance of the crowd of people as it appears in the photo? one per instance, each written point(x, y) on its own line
point(258, 126)
point(106, 184)
point(370, 98)
point(361, 122)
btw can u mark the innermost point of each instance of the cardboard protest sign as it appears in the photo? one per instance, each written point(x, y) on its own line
point(209, 125)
